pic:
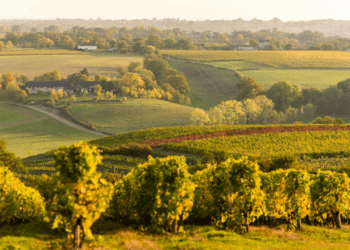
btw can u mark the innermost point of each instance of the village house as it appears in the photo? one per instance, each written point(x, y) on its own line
point(48, 86)
point(85, 86)
point(87, 47)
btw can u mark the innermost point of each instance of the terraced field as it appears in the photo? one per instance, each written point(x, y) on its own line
point(133, 114)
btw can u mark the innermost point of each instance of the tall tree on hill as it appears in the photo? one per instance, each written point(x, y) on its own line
point(249, 88)
point(283, 94)
point(177, 80)
point(157, 65)
point(328, 101)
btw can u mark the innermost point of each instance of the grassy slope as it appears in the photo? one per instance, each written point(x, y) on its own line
point(96, 63)
point(209, 86)
point(292, 59)
point(134, 114)
point(37, 235)
point(305, 78)
point(26, 130)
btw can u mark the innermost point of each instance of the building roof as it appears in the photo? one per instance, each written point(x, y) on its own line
point(49, 84)
point(85, 84)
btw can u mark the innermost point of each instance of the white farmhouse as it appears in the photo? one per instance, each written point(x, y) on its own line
point(87, 47)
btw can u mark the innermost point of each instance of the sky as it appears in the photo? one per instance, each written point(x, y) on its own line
point(285, 10)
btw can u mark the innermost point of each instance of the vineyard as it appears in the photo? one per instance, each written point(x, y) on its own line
point(234, 178)
point(278, 59)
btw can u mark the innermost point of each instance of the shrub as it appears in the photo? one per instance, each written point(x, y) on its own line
point(235, 188)
point(158, 193)
point(18, 202)
point(80, 195)
point(327, 120)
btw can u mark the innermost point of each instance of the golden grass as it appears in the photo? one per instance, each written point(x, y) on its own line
point(34, 65)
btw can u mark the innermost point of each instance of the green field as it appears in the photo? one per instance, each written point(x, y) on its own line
point(66, 64)
point(209, 86)
point(27, 130)
point(279, 59)
point(133, 114)
point(305, 78)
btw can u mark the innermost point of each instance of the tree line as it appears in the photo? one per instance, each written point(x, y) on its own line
point(131, 39)
point(282, 103)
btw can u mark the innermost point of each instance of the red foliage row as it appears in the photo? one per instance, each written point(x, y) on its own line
point(249, 131)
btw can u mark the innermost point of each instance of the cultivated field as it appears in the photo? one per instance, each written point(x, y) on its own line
point(27, 130)
point(305, 78)
point(278, 59)
point(237, 65)
point(41, 62)
point(133, 114)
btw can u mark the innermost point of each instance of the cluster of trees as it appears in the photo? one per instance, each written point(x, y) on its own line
point(139, 39)
point(156, 79)
point(282, 103)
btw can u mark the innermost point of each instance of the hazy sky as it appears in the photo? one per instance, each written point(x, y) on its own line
point(286, 10)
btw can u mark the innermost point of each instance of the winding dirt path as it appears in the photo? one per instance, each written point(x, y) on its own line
point(59, 119)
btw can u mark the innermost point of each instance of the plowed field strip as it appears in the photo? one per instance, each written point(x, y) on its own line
point(252, 131)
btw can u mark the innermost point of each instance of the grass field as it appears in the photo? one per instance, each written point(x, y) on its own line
point(96, 63)
point(290, 59)
point(38, 235)
point(305, 78)
point(209, 86)
point(26, 130)
point(134, 114)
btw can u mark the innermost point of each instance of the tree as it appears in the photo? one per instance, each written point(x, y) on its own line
point(199, 117)
point(228, 112)
point(157, 65)
point(132, 81)
point(328, 101)
point(49, 76)
point(309, 95)
point(78, 77)
point(133, 65)
point(9, 159)
point(2, 45)
point(98, 89)
point(16, 29)
point(283, 94)
point(80, 195)
point(254, 42)
point(177, 80)
point(9, 45)
point(344, 85)
point(288, 46)
point(249, 88)
point(84, 71)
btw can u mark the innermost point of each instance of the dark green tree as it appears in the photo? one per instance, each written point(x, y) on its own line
point(249, 88)
point(283, 94)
